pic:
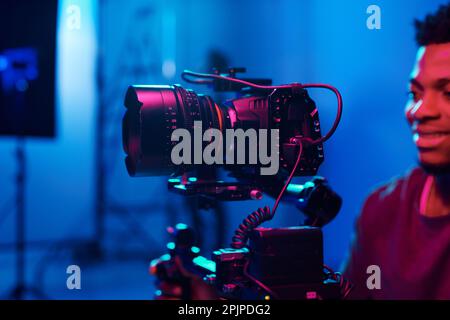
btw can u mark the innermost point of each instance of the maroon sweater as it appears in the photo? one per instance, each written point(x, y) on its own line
point(412, 251)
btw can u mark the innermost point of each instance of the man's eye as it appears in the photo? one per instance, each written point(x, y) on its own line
point(413, 95)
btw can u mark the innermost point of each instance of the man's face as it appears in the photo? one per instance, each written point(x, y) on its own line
point(428, 109)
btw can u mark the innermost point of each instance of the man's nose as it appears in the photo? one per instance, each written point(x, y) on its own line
point(425, 109)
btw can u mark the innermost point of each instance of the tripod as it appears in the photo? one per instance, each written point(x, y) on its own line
point(21, 290)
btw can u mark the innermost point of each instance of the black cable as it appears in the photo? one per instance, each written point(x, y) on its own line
point(261, 215)
point(337, 120)
point(257, 218)
point(288, 181)
point(219, 77)
point(251, 222)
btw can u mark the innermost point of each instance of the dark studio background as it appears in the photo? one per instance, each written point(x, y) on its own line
point(82, 208)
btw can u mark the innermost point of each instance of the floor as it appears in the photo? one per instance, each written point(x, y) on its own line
point(126, 279)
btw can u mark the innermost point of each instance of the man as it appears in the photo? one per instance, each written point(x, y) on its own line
point(404, 227)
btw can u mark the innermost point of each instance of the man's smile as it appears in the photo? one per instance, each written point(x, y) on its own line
point(429, 138)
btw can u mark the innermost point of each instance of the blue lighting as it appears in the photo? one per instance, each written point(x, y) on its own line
point(3, 63)
point(181, 226)
point(171, 246)
point(205, 263)
point(195, 250)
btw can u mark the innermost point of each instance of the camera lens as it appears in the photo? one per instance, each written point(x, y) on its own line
point(153, 113)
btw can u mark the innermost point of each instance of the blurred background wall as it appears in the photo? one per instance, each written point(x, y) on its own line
point(150, 42)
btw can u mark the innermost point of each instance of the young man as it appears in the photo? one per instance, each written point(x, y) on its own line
point(404, 227)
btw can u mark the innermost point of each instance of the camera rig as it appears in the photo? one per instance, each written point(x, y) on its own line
point(283, 263)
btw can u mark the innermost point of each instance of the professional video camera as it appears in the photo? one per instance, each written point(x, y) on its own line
point(284, 263)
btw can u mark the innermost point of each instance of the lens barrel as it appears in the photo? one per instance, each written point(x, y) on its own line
point(153, 114)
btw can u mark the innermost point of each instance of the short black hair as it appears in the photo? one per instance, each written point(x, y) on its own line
point(435, 28)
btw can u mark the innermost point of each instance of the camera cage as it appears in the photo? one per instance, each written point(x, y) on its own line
point(231, 267)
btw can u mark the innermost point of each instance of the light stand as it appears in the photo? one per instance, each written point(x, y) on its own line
point(21, 290)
